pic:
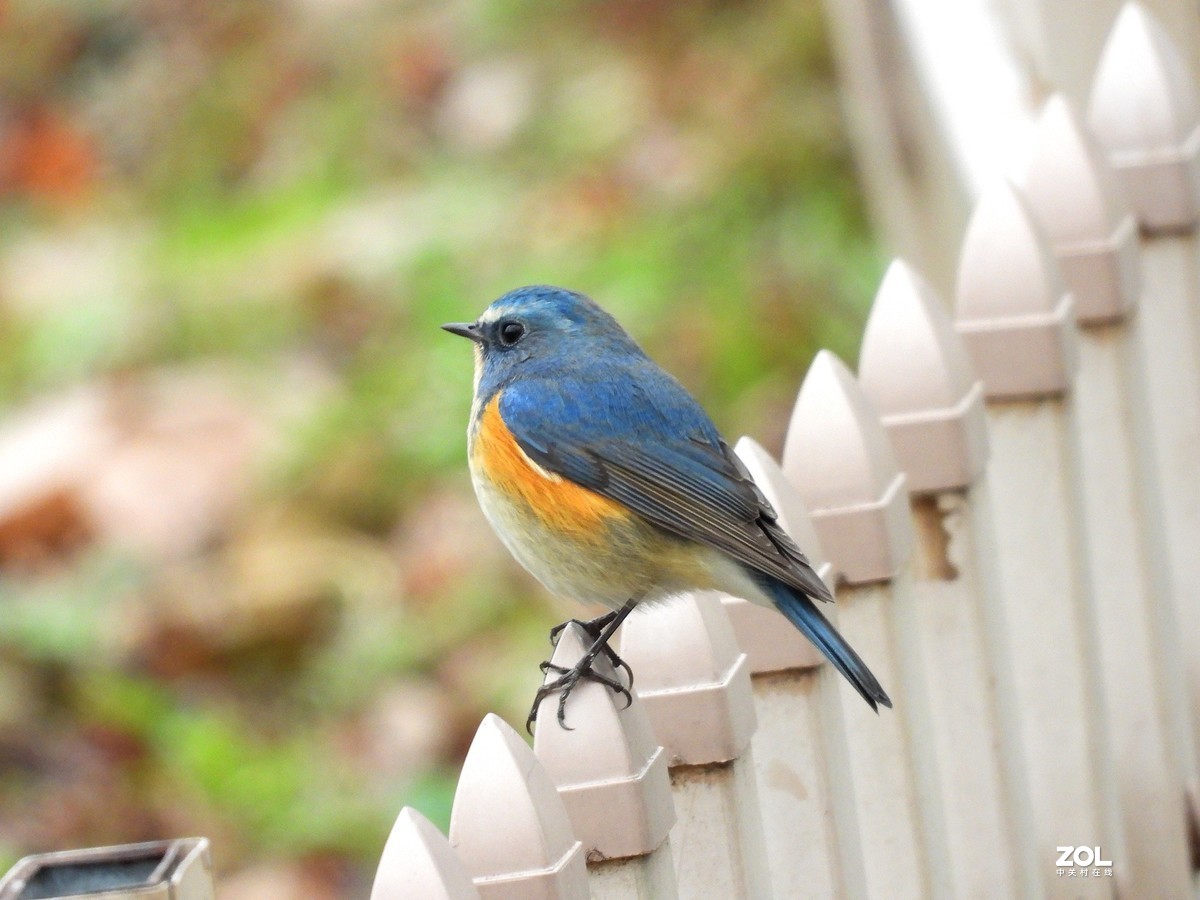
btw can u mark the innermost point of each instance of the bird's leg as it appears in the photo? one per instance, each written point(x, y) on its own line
point(569, 677)
point(591, 626)
point(595, 627)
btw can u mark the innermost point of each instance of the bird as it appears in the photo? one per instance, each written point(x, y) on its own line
point(609, 483)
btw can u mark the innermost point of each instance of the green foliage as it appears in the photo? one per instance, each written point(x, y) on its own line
point(67, 618)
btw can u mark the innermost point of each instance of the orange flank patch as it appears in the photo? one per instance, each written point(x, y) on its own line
point(561, 505)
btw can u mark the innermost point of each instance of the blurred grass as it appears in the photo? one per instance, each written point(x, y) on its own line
point(285, 187)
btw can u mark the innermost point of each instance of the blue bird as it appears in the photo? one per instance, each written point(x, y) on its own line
point(608, 482)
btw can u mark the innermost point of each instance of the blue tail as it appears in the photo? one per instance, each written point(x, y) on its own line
point(803, 613)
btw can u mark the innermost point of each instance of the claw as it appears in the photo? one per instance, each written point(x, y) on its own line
point(619, 664)
point(562, 707)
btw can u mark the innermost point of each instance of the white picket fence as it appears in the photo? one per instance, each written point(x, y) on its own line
point(1008, 499)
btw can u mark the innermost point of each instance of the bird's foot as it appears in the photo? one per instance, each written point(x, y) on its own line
point(595, 629)
point(601, 629)
point(565, 683)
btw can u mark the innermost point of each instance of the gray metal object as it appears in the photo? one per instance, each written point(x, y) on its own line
point(161, 870)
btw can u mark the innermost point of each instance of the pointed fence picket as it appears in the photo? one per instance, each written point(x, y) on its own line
point(508, 824)
point(915, 370)
point(612, 777)
point(418, 861)
point(1049, 438)
point(839, 457)
point(801, 752)
point(695, 686)
point(1016, 320)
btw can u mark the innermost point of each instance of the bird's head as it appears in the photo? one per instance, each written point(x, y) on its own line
point(540, 330)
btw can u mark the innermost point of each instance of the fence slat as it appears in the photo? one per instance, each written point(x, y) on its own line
point(801, 754)
point(1074, 195)
point(838, 456)
point(417, 862)
point(914, 369)
point(1016, 320)
point(612, 777)
point(1147, 115)
point(695, 686)
point(509, 826)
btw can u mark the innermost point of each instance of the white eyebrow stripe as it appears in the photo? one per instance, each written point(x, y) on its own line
point(494, 314)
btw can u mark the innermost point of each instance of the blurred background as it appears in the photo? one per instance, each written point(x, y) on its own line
point(245, 590)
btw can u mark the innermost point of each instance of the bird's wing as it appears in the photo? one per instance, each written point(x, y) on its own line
point(645, 443)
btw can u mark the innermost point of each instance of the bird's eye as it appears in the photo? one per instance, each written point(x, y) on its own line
point(511, 332)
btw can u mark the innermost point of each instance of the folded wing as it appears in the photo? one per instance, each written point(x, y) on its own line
point(653, 449)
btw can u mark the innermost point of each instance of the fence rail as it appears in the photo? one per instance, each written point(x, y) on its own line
point(1007, 497)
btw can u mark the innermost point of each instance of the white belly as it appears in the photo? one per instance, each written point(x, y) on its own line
point(630, 560)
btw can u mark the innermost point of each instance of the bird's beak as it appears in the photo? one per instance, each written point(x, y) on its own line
point(464, 329)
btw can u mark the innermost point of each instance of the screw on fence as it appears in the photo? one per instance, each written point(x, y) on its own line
point(1016, 320)
point(1146, 114)
point(915, 371)
point(694, 684)
point(418, 861)
point(801, 754)
point(838, 456)
point(1075, 197)
point(508, 825)
point(612, 777)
